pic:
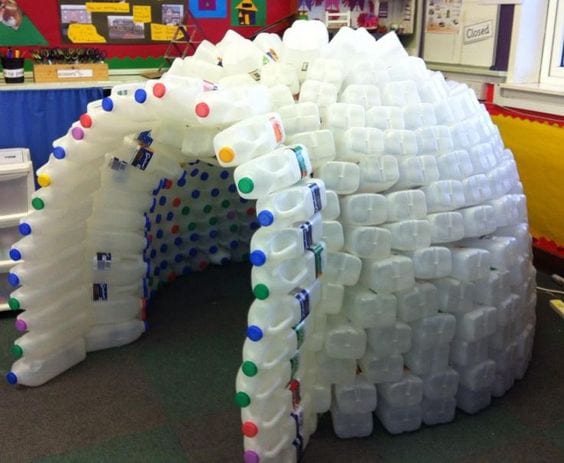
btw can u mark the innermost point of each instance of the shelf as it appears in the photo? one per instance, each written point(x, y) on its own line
point(6, 265)
point(11, 219)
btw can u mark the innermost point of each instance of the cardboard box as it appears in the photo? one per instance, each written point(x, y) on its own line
point(66, 73)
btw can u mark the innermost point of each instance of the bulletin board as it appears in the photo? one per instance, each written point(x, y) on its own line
point(120, 22)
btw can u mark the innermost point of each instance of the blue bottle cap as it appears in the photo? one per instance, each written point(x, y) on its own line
point(265, 218)
point(153, 253)
point(234, 244)
point(215, 192)
point(140, 95)
point(232, 188)
point(153, 205)
point(178, 258)
point(193, 252)
point(224, 174)
point(194, 237)
point(178, 241)
point(147, 222)
point(257, 258)
point(204, 176)
point(194, 172)
point(15, 254)
point(182, 179)
point(162, 200)
point(12, 378)
point(224, 261)
point(170, 216)
point(160, 234)
point(59, 152)
point(254, 333)
point(158, 218)
point(164, 265)
point(213, 249)
point(24, 228)
point(186, 270)
point(164, 248)
point(145, 137)
point(254, 226)
point(13, 279)
point(107, 104)
point(195, 194)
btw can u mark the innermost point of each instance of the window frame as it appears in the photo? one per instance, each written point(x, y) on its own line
point(552, 67)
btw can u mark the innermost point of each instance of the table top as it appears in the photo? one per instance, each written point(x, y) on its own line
point(117, 77)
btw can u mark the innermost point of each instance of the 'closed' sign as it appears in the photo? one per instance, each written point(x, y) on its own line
point(479, 31)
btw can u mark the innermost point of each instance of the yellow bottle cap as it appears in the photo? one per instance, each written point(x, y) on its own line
point(44, 180)
point(226, 154)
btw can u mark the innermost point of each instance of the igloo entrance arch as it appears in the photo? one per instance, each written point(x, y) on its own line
point(389, 240)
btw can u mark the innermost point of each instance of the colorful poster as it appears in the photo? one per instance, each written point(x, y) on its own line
point(120, 22)
point(15, 27)
point(248, 12)
point(443, 16)
point(208, 8)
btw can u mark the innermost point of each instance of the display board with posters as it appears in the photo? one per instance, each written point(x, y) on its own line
point(120, 22)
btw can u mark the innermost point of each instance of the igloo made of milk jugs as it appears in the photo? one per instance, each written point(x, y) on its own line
point(383, 217)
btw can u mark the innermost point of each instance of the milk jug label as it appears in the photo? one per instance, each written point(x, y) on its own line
point(103, 261)
point(318, 254)
point(100, 291)
point(277, 128)
point(255, 74)
point(298, 416)
point(294, 364)
point(307, 231)
point(316, 196)
point(117, 164)
point(302, 296)
point(142, 158)
point(298, 151)
point(300, 332)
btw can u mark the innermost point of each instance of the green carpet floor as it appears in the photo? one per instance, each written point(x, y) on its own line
point(169, 396)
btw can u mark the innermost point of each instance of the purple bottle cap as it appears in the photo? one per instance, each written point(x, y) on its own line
point(250, 456)
point(21, 326)
point(77, 133)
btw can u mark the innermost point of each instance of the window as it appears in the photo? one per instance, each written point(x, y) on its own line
point(552, 67)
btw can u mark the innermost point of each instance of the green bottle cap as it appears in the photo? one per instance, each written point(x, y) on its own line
point(261, 291)
point(213, 221)
point(242, 399)
point(234, 228)
point(192, 226)
point(225, 203)
point(14, 304)
point(207, 209)
point(185, 210)
point(249, 368)
point(245, 185)
point(17, 351)
point(37, 203)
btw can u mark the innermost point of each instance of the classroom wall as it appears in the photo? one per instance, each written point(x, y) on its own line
point(45, 16)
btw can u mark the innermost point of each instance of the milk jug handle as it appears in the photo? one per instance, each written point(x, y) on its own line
point(266, 394)
point(276, 361)
point(274, 419)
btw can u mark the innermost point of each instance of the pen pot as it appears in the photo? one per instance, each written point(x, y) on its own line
point(13, 70)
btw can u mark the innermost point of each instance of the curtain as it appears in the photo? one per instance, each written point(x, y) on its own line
point(35, 118)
